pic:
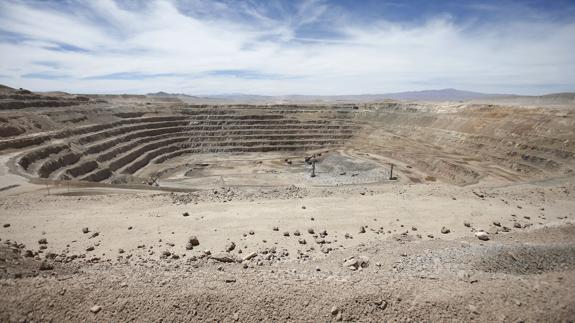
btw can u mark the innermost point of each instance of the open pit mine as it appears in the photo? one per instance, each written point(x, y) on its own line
point(162, 208)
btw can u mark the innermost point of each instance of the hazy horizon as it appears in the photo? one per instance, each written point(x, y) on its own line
point(280, 48)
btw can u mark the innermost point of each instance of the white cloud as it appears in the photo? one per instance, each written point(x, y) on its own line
point(184, 50)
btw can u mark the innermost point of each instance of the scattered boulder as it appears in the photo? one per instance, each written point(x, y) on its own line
point(275, 228)
point(231, 246)
point(286, 234)
point(310, 231)
point(517, 225)
point(334, 310)
point(224, 257)
point(445, 230)
point(85, 230)
point(46, 266)
point(250, 256)
point(496, 223)
point(251, 232)
point(362, 229)
point(348, 236)
point(302, 241)
point(186, 214)
point(467, 224)
point(121, 250)
point(43, 241)
point(482, 235)
point(354, 263)
point(90, 248)
point(193, 240)
point(297, 233)
point(6, 225)
point(95, 309)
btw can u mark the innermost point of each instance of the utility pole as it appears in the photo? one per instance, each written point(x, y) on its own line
point(313, 167)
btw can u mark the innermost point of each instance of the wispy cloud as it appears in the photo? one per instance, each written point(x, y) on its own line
point(284, 47)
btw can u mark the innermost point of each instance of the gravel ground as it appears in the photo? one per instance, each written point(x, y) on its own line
point(526, 276)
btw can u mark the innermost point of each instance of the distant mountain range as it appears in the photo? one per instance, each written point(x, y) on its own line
point(444, 95)
point(428, 95)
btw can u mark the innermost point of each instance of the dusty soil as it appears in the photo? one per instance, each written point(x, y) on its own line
point(525, 274)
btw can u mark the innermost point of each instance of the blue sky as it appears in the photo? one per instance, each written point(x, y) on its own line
point(280, 47)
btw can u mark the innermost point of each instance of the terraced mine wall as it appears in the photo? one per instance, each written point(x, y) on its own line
point(464, 143)
point(132, 141)
point(457, 143)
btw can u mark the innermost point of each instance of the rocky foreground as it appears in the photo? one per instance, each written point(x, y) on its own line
point(525, 276)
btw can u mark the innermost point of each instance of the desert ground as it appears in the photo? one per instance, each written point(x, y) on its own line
point(118, 208)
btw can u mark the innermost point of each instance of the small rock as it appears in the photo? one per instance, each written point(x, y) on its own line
point(276, 229)
point(517, 225)
point(124, 284)
point(85, 230)
point(95, 309)
point(230, 280)
point(231, 246)
point(6, 225)
point(224, 258)
point(90, 248)
point(46, 266)
point(467, 224)
point(310, 231)
point(189, 246)
point(286, 234)
point(121, 250)
point(445, 230)
point(43, 241)
point(334, 310)
point(193, 240)
point(250, 256)
point(296, 233)
point(496, 223)
point(251, 232)
point(95, 234)
point(481, 235)
point(348, 236)
point(362, 229)
point(302, 241)
point(186, 214)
